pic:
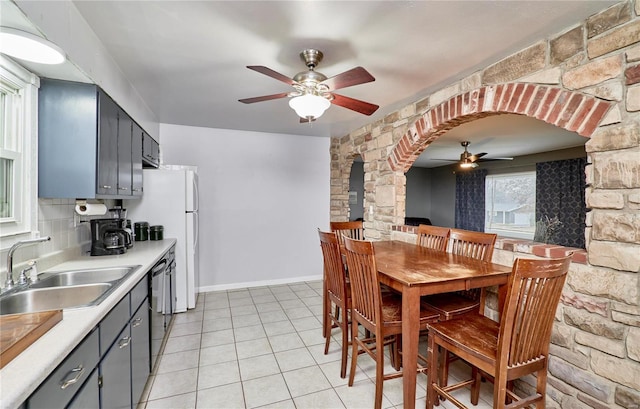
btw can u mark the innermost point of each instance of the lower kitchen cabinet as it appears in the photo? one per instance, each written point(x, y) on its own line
point(140, 351)
point(88, 397)
point(67, 380)
point(115, 372)
point(110, 367)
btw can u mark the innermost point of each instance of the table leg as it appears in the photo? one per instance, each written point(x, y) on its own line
point(410, 335)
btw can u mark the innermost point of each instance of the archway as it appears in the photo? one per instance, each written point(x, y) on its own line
point(570, 110)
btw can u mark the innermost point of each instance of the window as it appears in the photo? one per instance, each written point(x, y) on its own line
point(510, 204)
point(18, 142)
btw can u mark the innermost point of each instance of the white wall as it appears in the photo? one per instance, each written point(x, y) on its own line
point(262, 197)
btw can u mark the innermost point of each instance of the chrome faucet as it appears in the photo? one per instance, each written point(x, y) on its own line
point(9, 283)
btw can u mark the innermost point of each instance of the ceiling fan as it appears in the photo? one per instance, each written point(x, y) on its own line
point(313, 91)
point(469, 160)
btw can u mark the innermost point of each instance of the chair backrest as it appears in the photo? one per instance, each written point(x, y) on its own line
point(433, 237)
point(366, 296)
point(335, 276)
point(472, 244)
point(533, 293)
point(353, 230)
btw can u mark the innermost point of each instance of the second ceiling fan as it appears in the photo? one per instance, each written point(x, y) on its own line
point(469, 160)
point(313, 91)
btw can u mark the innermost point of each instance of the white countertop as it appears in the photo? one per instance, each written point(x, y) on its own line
point(20, 377)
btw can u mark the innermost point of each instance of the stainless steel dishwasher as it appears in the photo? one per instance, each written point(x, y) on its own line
point(163, 300)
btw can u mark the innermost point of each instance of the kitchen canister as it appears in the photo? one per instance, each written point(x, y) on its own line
point(156, 232)
point(141, 231)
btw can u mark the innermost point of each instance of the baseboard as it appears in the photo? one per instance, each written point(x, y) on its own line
point(264, 283)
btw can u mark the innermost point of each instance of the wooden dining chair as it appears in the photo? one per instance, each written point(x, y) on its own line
point(353, 230)
point(517, 346)
point(338, 294)
point(473, 244)
point(433, 237)
point(380, 314)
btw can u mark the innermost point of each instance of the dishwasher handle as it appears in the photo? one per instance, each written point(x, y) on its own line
point(159, 268)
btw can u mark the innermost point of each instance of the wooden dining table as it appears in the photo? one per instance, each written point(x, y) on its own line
point(415, 271)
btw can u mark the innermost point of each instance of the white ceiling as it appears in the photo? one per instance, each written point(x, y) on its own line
point(187, 58)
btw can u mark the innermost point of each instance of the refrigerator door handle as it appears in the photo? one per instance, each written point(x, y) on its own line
point(197, 194)
point(196, 218)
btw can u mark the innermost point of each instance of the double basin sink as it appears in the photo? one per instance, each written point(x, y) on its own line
point(66, 289)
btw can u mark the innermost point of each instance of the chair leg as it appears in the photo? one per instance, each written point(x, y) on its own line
point(444, 371)
point(475, 386)
point(325, 302)
point(379, 371)
point(396, 357)
point(328, 324)
point(499, 392)
point(432, 358)
point(354, 350)
point(344, 325)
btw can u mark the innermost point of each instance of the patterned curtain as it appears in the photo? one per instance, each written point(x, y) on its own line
point(560, 202)
point(470, 200)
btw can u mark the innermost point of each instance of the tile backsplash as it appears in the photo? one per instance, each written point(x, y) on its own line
point(70, 235)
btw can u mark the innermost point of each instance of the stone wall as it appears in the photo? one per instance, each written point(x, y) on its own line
point(586, 79)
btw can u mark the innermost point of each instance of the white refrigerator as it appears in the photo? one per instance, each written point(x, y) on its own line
point(170, 198)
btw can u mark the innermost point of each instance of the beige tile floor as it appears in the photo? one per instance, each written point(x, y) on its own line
point(262, 347)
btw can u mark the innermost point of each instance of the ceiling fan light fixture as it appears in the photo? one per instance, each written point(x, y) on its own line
point(466, 164)
point(29, 47)
point(309, 106)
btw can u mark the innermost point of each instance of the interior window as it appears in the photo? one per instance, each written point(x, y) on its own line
point(18, 127)
point(510, 204)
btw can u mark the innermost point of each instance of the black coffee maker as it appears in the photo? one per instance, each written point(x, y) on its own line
point(109, 237)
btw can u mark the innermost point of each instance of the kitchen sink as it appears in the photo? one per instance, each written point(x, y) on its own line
point(65, 289)
point(84, 276)
point(53, 298)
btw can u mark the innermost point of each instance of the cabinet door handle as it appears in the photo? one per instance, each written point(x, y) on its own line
point(137, 189)
point(124, 342)
point(136, 322)
point(79, 371)
point(123, 188)
point(106, 187)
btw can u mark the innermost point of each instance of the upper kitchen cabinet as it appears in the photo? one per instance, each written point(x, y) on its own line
point(150, 151)
point(136, 159)
point(88, 147)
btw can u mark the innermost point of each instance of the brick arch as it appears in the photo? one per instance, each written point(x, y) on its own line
point(566, 109)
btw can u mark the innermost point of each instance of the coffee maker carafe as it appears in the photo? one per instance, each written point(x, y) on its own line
point(109, 237)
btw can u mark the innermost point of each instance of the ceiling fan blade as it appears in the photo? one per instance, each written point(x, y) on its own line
point(306, 120)
point(354, 104)
point(271, 73)
point(264, 98)
point(354, 76)
point(477, 156)
point(493, 159)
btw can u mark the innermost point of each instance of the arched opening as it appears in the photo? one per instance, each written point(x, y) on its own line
point(511, 149)
point(571, 111)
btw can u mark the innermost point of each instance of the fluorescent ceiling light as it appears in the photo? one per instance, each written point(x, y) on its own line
point(29, 47)
point(309, 106)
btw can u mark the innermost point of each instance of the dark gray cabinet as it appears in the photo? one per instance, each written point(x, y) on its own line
point(150, 151)
point(140, 351)
point(68, 379)
point(88, 397)
point(86, 147)
point(115, 373)
point(110, 367)
point(107, 157)
point(136, 159)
